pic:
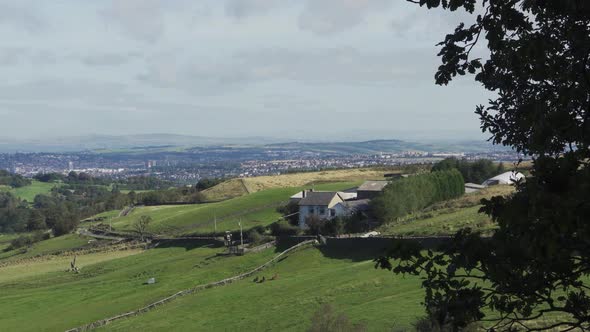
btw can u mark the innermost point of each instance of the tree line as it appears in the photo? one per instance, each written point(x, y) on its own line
point(472, 171)
point(81, 196)
point(13, 180)
point(131, 183)
point(411, 194)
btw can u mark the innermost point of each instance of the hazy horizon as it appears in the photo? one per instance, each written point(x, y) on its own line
point(322, 69)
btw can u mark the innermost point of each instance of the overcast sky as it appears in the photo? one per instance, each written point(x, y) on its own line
point(357, 69)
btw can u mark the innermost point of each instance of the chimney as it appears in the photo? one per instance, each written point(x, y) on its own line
point(303, 193)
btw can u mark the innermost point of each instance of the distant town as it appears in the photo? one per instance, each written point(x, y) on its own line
point(189, 166)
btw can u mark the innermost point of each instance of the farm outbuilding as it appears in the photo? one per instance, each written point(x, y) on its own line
point(370, 189)
point(504, 178)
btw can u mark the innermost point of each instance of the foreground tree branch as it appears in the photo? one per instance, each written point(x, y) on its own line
point(537, 262)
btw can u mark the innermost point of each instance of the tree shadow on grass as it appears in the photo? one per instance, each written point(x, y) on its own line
point(189, 244)
point(355, 249)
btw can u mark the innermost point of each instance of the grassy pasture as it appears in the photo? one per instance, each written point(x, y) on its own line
point(35, 267)
point(238, 187)
point(29, 192)
point(306, 279)
point(108, 284)
point(254, 209)
point(446, 218)
point(56, 244)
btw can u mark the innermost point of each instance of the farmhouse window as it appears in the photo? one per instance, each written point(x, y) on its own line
point(311, 209)
point(322, 210)
point(332, 212)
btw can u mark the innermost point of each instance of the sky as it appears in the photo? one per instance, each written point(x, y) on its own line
point(313, 69)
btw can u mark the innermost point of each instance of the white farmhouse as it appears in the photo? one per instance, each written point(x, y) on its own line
point(323, 204)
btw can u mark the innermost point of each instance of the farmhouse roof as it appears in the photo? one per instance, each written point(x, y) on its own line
point(373, 186)
point(318, 198)
point(504, 178)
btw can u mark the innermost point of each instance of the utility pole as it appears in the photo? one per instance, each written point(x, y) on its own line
point(215, 222)
point(241, 235)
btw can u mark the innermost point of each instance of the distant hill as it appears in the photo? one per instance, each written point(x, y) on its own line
point(385, 146)
point(172, 142)
point(111, 142)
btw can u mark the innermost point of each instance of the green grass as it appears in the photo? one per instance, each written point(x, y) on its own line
point(56, 244)
point(306, 279)
point(254, 209)
point(59, 300)
point(446, 218)
point(29, 192)
point(440, 222)
point(106, 215)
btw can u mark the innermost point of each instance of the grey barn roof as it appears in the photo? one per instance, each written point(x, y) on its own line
point(358, 205)
point(373, 186)
point(318, 198)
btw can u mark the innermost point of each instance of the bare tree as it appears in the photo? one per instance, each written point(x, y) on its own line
point(141, 226)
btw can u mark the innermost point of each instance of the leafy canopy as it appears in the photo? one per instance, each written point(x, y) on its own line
point(537, 263)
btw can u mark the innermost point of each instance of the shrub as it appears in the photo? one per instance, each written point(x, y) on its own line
point(326, 320)
point(356, 223)
point(290, 210)
point(20, 242)
point(254, 236)
point(283, 228)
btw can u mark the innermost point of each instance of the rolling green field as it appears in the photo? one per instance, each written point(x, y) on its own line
point(306, 279)
point(108, 284)
point(66, 242)
point(440, 222)
point(111, 283)
point(446, 218)
point(29, 192)
point(254, 209)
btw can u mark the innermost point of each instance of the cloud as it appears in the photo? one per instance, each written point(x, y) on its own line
point(240, 9)
point(332, 16)
point(140, 19)
point(108, 59)
point(13, 56)
point(64, 89)
point(22, 17)
point(334, 66)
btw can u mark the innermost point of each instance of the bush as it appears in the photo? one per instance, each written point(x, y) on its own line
point(254, 236)
point(290, 210)
point(323, 226)
point(63, 227)
point(326, 320)
point(281, 228)
point(356, 223)
point(27, 240)
point(20, 242)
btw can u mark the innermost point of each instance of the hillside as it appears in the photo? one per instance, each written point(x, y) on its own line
point(29, 192)
point(238, 187)
point(110, 282)
point(448, 217)
point(305, 279)
point(257, 209)
point(113, 282)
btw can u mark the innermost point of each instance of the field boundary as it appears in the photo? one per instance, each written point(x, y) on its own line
point(195, 289)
